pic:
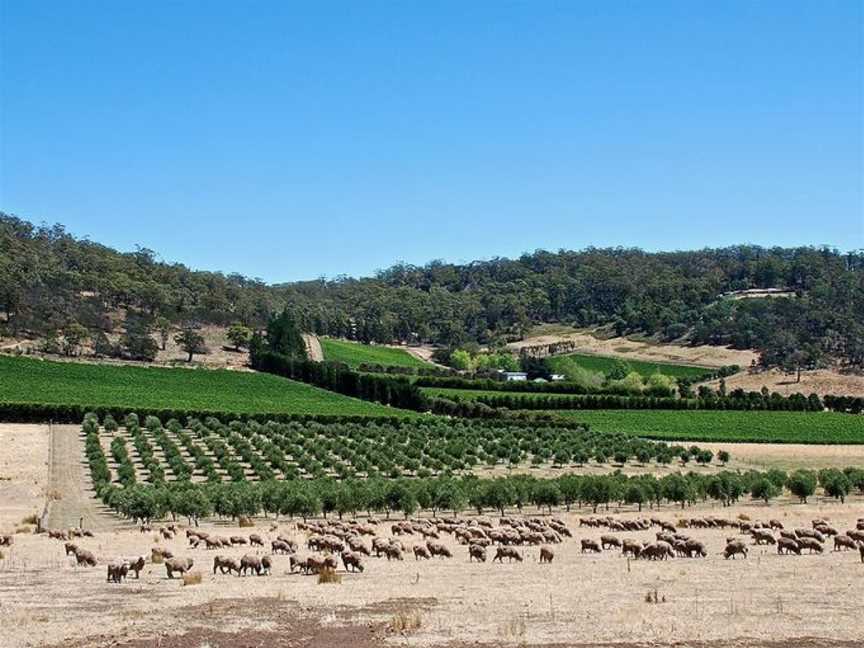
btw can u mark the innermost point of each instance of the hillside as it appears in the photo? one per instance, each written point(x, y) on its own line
point(51, 281)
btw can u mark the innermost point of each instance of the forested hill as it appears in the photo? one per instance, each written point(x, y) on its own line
point(48, 278)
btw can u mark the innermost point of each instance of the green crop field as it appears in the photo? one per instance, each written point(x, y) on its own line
point(602, 364)
point(26, 380)
point(474, 394)
point(354, 354)
point(712, 425)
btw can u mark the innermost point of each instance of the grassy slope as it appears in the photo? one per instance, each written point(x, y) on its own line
point(708, 425)
point(353, 354)
point(37, 381)
point(605, 363)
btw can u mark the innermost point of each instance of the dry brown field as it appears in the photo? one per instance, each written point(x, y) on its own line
point(580, 599)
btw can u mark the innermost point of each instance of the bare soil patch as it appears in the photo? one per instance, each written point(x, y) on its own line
point(788, 456)
point(581, 599)
point(705, 355)
point(820, 381)
point(23, 473)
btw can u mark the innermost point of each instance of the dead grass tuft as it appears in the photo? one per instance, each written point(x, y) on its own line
point(246, 522)
point(30, 519)
point(156, 556)
point(514, 629)
point(193, 578)
point(743, 517)
point(54, 495)
point(327, 575)
point(405, 621)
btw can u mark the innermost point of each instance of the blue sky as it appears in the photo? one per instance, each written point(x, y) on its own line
point(289, 141)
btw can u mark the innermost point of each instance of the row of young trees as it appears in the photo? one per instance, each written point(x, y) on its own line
point(414, 448)
point(452, 494)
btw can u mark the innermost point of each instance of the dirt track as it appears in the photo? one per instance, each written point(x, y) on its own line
point(313, 347)
point(68, 477)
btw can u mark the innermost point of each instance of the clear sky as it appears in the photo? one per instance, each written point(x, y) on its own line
point(288, 141)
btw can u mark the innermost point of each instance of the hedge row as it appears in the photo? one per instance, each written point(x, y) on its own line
point(754, 401)
point(339, 378)
point(41, 412)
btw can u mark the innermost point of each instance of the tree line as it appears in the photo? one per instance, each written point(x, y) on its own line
point(54, 283)
point(447, 493)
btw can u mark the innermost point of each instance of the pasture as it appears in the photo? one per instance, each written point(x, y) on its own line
point(27, 380)
point(603, 364)
point(354, 354)
point(714, 425)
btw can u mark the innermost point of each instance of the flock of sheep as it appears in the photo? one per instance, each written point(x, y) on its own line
point(335, 540)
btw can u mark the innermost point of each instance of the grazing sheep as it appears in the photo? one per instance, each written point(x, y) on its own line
point(237, 540)
point(266, 565)
point(843, 542)
point(352, 561)
point(631, 547)
point(224, 564)
point(775, 524)
point(590, 546)
point(278, 546)
point(735, 548)
point(695, 548)
point(295, 561)
point(507, 552)
point(393, 552)
point(810, 543)
point(70, 548)
point(179, 565)
point(787, 545)
point(438, 549)
point(609, 541)
point(255, 540)
point(546, 554)
point(250, 562)
point(856, 534)
point(160, 553)
point(476, 552)
point(420, 551)
point(84, 557)
point(117, 572)
point(762, 537)
point(358, 546)
point(136, 565)
point(659, 550)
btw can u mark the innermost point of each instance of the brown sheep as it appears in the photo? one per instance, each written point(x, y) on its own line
point(476, 552)
point(179, 565)
point(775, 524)
point(761, 537)
point(84, 557)
point(735, 548)
point(352, 561)
point(393, 552)
point(787, 545)
point(160, 552)
point(546, 554)
point(507, 552)
point(70, 548)
point(250, 562)
point(136, 565)
point(266, 565)
point(856, 535)
point(117, 572)
point(590, 545)
point(357, 545)
point(810, 543)
point(237, 540)
point(420, 551)
point(278, 546)
point(609, 541)
point(224, 565)
point(660, 550)
point(844, 542)
point(631, 547)
point(438, 549)
point(295, 561)
point(695, 548)
point(256, 540)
